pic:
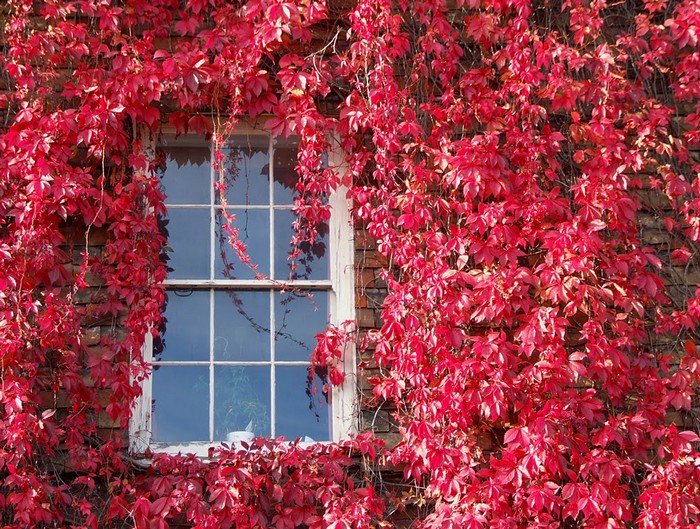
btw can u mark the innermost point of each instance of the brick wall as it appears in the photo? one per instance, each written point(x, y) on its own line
point(370, 292)
point(96, 326)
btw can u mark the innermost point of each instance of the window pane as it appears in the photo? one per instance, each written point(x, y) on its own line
point(186, 178)
point(298, 319)
point(188, 232)
point(180, 404)
point(286, 178)
point(247, 170)
point(312, 263)
point(242, 325)
point(186, 329)
point(302, 407)
point(241, 400)
point(253, 231)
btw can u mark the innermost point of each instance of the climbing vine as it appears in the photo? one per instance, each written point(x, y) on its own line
point(515, 162)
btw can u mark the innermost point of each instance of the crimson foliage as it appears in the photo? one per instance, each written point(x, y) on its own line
point(505, 156)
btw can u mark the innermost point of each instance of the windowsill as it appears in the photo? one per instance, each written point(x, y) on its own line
point(204, 449)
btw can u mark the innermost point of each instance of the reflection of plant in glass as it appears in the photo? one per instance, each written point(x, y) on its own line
point(238, 406)
point(302, 252)
point(235, 157)
point(160, 340)
point(316, 389)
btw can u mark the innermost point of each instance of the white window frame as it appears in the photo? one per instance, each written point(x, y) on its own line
point(340, 286)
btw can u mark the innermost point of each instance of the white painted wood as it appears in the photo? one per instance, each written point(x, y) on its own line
point(140, 420)
point(344, 398)
point(140, 423)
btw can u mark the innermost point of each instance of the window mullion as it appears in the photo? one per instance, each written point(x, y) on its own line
point(273, 331)
point(212, 216)
point(271, 200)
point(273, 274)
point(211, 364)
point(212, 252)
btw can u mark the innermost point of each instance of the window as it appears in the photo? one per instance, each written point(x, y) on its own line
point(233, 356)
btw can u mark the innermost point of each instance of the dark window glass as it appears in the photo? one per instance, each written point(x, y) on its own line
point(242, 325)
point(186, 178)
point(241, 400)
point(254, 232)
point(298, 318)
point(186, 327)
point(188, 239)
point(247, 170)
point(312, 262)
point(302, 410)
point(180, 404)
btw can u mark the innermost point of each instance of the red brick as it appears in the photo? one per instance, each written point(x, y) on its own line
point(92, 336)
point(364, 241)
point(364, 278)
point(365, 318)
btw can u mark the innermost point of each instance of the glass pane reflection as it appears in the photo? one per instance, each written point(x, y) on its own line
point(286, 178)
point(241, 400)
point(242, 325)
point(302, 407)
point(186, 178)
point(247, 170)
point(188, 232)
point(186, 331)
point(180, 404)
point(298, 319)
point(253, 231)
point(312, 263)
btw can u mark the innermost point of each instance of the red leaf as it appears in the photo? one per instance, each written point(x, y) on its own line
point(200, 124)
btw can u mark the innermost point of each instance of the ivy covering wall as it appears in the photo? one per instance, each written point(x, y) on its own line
point(525, 176)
